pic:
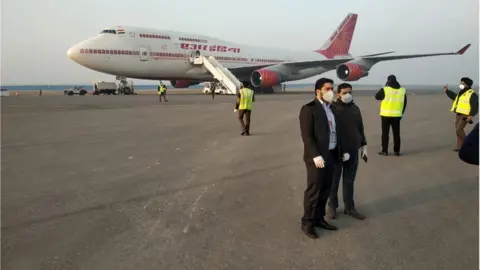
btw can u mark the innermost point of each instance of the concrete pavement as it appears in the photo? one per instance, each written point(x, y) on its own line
point(122, 182)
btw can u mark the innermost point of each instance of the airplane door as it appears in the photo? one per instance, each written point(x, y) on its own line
point(143, 54)
point(193, 55)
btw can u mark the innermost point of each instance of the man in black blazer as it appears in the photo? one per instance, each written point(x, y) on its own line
point(321, 152)
point(469, 149)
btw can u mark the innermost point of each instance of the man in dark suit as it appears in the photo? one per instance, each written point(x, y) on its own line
point(321, 152)
point(469, 149)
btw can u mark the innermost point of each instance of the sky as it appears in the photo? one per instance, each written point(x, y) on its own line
point(36, 34)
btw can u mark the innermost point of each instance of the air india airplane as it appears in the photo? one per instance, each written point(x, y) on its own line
point(151, 54)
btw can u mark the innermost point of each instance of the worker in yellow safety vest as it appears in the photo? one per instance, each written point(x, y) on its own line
point(392, 108)
point(162, 92)
point(465, 106)
point(244, 104)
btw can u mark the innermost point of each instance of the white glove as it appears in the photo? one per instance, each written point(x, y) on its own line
point(345, 157)
point(363, 151)
point(319, 162)
point(235, 110)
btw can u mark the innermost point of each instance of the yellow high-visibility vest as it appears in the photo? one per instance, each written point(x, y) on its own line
point(463, 105)
point(161, 89)
point(246, 99)
point(392, 104)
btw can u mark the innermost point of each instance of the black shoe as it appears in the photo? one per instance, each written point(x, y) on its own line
point(310, 231)
point(325, 225)
point(243, 133)
point(456, 150)
point(247, 133)
point(397, 154)
point(353, 213)
point(383, 153)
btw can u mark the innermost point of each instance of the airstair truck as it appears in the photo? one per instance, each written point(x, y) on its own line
point(107, 88)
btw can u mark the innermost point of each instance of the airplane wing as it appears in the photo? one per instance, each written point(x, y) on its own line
point(398, 57)
point(376, 54)
point(331, 63)
point(245, 71)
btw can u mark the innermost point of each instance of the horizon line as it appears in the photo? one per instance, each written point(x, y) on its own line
point(61, 84)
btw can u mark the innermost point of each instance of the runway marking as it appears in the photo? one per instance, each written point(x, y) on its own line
point(18, 106)
point(64, 106)
point(185, 230)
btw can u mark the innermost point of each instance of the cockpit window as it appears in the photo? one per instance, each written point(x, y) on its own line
point(108, 31)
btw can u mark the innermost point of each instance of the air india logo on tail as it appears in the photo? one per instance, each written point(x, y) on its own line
point(210, 48)
point(339, 42)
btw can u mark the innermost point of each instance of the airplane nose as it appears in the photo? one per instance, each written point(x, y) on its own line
point(72, 52)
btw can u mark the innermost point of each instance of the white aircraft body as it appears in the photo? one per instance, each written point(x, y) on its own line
point(151, 54)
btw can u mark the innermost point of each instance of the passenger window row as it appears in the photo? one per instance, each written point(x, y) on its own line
point(267, 61)
point(193, 40)
point(112, 52)
point(154, 36)
point(172, 55)
point(165, 54)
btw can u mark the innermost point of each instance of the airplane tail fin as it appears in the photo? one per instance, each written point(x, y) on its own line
point(339, 43)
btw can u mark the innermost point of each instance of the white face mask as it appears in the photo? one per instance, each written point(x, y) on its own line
point(328, 96)
point(347, 98)
point(461, 86)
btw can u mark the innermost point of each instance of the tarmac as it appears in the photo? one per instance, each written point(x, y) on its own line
point(123, 182)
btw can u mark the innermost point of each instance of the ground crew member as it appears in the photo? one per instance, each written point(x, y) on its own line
point(392, 108)
point(213, 85)
point(162, 92)
point(244, 104)
point(352, 138)
point(465, 106)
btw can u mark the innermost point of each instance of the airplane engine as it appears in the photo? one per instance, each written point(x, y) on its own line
point(183, 83)
point(351, 72)
point(265, 78)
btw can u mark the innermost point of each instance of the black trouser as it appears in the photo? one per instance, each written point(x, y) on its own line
point(162, 95)
point(245, 125)
point(349, 171)
point(315, 197)
point(394, 122)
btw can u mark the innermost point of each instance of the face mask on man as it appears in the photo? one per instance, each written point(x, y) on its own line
point(328, 96)
point(347, 98)
point(461, 86)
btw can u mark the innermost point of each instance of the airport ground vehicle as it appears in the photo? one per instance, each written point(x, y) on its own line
point(125, 88)
point(102, 87)
point(220, 89)
point(4, 92)
point(76, 90)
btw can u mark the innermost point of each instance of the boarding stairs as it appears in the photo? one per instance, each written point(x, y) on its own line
point(220, 73)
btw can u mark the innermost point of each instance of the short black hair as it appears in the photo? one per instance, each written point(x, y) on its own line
point(246, 83)
point(321, 82)
point(343, 86)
